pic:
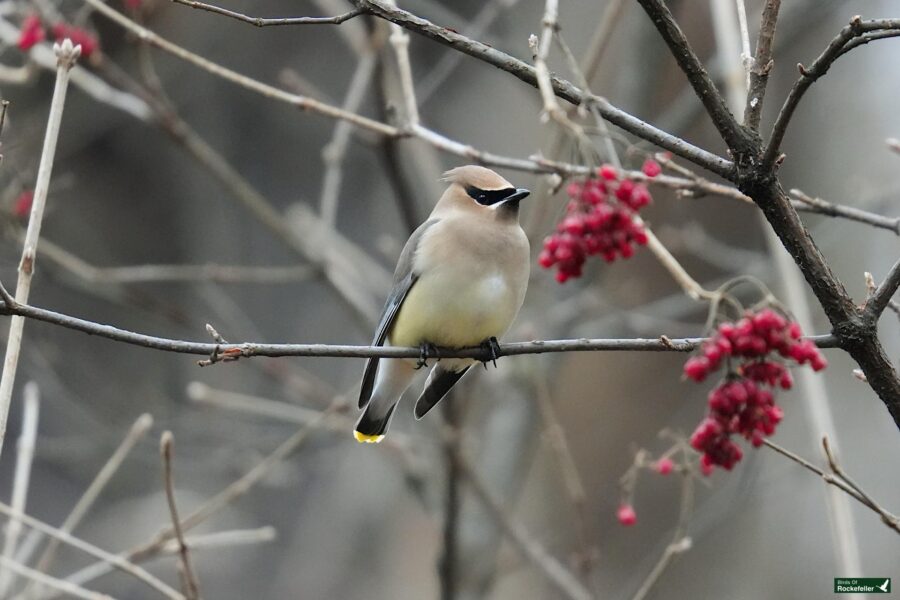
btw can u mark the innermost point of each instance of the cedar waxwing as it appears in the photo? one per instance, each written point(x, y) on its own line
point(460, 282)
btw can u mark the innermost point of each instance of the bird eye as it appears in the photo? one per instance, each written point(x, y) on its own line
point(488, 197)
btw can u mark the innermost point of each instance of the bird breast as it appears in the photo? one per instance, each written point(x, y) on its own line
point(471, 284)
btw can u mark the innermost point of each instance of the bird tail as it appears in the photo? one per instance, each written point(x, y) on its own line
point(392, 378)
point(373, 424)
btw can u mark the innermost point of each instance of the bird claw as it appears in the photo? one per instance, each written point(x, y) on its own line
point(426, 351)
point(493, 347)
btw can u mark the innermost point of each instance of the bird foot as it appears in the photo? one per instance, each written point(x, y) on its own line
point(426, 351)
point(492, 346)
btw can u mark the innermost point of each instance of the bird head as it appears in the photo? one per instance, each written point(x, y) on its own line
point(479, 189)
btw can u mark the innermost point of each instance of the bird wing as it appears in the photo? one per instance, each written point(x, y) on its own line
point(404, 279)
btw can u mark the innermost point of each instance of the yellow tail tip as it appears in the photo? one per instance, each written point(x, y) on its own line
point(363, 438)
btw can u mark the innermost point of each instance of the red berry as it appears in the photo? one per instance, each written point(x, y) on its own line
point(664, 466)
point(696, 368)
point(31, 32)
point(651, 168)
point(608, 172)
point(22, 204)
point(626, 515)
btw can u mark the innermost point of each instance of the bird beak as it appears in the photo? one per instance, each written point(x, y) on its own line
point(518, 195)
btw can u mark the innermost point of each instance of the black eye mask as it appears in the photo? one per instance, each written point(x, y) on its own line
point(489, 197)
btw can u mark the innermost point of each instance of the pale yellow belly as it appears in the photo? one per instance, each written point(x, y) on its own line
point(455, 311)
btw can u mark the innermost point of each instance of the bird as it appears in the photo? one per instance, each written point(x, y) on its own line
point(459, 282)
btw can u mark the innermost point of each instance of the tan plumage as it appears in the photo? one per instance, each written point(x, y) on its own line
point(460, 281)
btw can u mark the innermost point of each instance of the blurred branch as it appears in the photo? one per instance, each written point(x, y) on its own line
point(839, 479)
point(845, 40)
point(113, 561)
point(224, 498)
point(263, 22)
point(25, 455)
point(230, 351)
point(150, 273)
point(185, 569)
point(138, 430)
point(66, 56)
point(64, 587)
point(564, 581)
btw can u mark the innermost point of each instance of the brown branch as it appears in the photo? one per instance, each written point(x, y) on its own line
point(564, 89)
point(186, 571)
point(737, 139)
point(264, 22)
point(806, 203)
point(808, 75)
point(838, 479)
point(882, 295)
point(227, 352)
point(762, 64)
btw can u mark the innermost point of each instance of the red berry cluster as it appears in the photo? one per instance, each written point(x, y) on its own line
point(600, 219)
point(744, 403)
point(32, 32)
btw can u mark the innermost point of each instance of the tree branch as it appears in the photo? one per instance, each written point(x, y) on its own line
point(731, 131)
point(882, 295)
point(263, 22)
point(841, 44)
point(225, 351)
point(564, 89)
point(762, 64)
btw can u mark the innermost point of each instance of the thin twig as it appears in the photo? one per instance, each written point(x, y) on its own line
point(808, 75)
point(186, 571)
point(60, 585)
point(837, 481)
point(731, 132)
point(534, 551)
point(819, 206)
point(138, 430)
point(66, 54)
point(248, 349)
point(762, 64)
point(25, 454)
point(264, 22)
point(882, 295)
point(224, 498)
point(111, 560)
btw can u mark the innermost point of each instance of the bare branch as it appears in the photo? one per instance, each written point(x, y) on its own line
point(881, 297)
point(808, 75)
point(112, 560)
point(264, 22)
point(66, 56)
point(249, 349)
point(762, 64)
point(530, 548)
point(185, 570)
point(564, 89)
point(730, 130)
point(65, 587)
point(804, 202)
point(140, 428)
point(838, 480)
point(21, 479)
